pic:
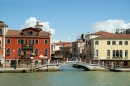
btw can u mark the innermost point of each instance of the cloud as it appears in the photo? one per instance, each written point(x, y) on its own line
point(111, 25)
point(31, 22)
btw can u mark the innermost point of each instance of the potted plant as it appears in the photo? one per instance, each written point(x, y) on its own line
point(22, 54)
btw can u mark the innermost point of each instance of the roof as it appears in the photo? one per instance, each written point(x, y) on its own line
point(107, 35)
point(64, 44)
point(2, 24)
point(17, 33)
point(102, 33)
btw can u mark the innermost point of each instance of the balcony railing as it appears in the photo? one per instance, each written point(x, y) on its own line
point(27, 46)
point(27, 56)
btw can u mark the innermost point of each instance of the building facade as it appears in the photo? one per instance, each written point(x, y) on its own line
point(3, 31)
point(108, 48)
point(23, 46)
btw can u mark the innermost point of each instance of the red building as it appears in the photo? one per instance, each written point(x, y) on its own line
point(23, 44)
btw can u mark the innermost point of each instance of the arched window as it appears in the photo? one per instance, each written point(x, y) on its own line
point(96, 42)
point(117, 53)
point(36, 51)
point(108, 42)
point(96, 54)
point(120, 42)
point(126, 53)
point(46, 51)
point(114, 53)
point(19, 51)
point(113, 42)
point(8, 51)
point(126, 42)
point(8, 40)
point(120, 53)
point(108, 53)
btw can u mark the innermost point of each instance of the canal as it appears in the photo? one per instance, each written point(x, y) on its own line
point(67, 76)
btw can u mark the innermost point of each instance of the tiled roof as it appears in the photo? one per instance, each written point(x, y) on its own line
point(13, 33)
point(17, 33)
point(2, 24)
point(64, 44)
point(102, 33)
point(107, 35)
point(44, 34)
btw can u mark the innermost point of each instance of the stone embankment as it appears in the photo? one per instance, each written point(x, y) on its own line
point(28, 70)
point(92, 67)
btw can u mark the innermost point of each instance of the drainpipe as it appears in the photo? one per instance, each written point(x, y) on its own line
point(4, 46)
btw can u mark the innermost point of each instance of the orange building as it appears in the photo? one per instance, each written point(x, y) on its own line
point(22, 45)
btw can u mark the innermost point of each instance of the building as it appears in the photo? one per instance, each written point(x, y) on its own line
point(108, 48)
point(61, 50)
point(78, 49)
point(23, 46)
point(3, 31)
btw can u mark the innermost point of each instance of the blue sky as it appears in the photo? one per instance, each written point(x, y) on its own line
point(68, 18)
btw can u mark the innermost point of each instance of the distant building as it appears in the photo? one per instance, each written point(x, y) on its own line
point(78, 48)
point(23, 44)
point(3, 31)
point(61, 50)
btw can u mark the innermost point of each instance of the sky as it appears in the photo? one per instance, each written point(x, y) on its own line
point(66, 19)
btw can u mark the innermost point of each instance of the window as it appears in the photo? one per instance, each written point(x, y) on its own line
point(126, 53)
point(120, 53)
point(8, 40)
point(96, 42)
point(36, 41)
point(117, 53)
point(19, 41)
point(126, 42)
point(113, 42)
point(46, 41)
point(0, 44)
point(46, 51)
point(36, 51)
point(108, 42)
point(96, 54)
point(19, 51)
point(108, 53)
point(24, 41)
point(120, 42)
point(0, 31)
point(114, 53)
point(24, 51)
point(8, 51)
point(31, 42)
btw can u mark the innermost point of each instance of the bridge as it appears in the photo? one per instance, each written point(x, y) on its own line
point(76, 64)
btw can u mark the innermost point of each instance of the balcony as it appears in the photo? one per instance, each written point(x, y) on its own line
point(27, 47)
point(117, 58)
point(27, 56)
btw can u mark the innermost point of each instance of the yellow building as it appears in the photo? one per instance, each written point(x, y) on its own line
point(108, 48)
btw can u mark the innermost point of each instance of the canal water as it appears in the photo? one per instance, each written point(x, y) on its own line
point(68, 76)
